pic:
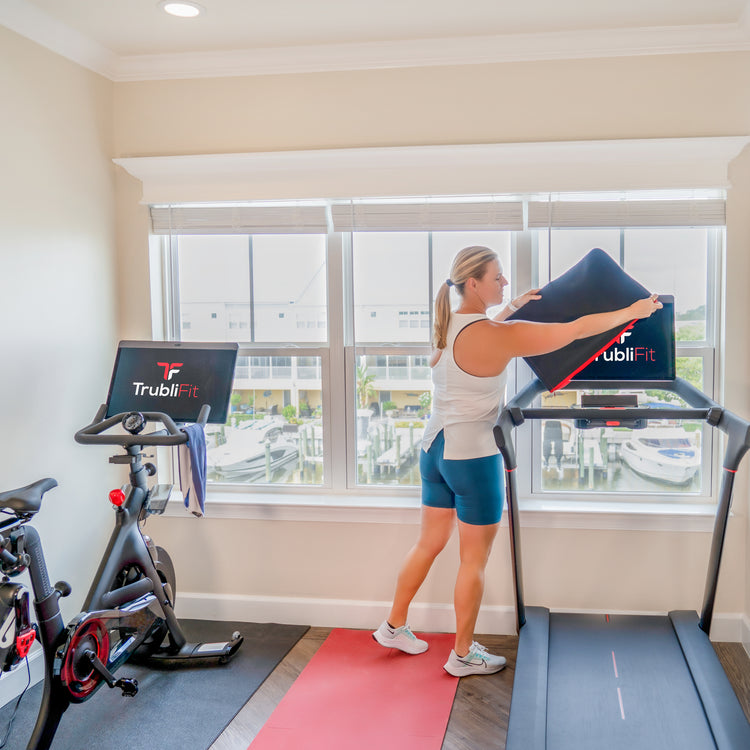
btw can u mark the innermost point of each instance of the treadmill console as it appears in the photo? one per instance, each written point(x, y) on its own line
point(613, 401)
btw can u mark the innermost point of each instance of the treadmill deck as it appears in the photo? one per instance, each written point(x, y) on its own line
point(621, 682)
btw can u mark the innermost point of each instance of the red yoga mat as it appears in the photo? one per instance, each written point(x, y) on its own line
point(356, 694)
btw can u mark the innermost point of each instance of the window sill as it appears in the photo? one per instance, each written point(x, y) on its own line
point(398, 509)
point(612, 514)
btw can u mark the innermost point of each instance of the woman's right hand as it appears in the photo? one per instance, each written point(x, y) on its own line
point(644, 308)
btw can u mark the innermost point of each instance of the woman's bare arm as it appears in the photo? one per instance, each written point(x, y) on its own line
point(518, 303)
point(486, 348)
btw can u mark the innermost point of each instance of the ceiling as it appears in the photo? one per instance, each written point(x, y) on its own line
point(135, 39)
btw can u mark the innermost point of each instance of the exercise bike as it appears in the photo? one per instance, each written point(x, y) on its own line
point(129, 609)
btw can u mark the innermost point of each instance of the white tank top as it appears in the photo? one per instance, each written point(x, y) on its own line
point(464, 406)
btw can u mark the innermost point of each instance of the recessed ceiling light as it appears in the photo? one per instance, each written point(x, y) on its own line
point(182, 9)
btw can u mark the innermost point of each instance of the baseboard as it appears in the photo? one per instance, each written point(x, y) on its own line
point(335, 613)
point(727, 628)
point(13, 683)
point(746, 633)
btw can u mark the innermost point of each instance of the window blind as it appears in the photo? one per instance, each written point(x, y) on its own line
point(627, 213)
point(297, 219)
point(353, 216)
point(397, 216)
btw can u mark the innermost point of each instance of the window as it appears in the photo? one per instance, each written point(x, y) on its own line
point(265, 292)
point(331, 304)
point(398, 273)
point(666, 457)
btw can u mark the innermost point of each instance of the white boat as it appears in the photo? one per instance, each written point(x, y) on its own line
point(668, 454)
point(252, 451)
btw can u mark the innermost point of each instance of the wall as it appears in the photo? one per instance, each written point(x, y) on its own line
point(343, 573)
point(640, 97)
point(57, 303)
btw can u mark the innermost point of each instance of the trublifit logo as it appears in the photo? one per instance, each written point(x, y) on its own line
point(174, 390)
point(170, 368)
point(628, 353)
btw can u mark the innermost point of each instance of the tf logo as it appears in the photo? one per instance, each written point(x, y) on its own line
point(170, 368)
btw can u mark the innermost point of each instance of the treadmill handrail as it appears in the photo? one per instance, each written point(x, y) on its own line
point(700, 407)
point(689, 393)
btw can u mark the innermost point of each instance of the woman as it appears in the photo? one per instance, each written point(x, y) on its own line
point(460, 464)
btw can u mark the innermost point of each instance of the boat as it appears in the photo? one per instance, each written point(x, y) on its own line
point(253, 452)
point(668, 454)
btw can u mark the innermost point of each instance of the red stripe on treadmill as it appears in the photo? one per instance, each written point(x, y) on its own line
point(570, 377)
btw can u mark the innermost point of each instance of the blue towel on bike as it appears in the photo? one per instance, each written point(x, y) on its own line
point(191, 459)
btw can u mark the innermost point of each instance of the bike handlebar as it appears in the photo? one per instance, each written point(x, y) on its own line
point(172, 435)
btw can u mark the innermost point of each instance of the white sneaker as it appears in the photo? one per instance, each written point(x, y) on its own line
point(401, 638)
point(477, 661)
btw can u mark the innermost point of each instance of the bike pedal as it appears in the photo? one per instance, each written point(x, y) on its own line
point(24, 639)
point(128, 685)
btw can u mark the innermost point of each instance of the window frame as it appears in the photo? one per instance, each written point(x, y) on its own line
point(338, 365)
point(529, 435)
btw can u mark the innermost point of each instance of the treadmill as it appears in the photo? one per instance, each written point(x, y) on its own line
point(622, 682)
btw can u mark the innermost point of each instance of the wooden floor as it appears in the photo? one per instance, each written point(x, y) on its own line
point(479, 718)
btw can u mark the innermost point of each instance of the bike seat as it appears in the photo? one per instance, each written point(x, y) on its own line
point(27, 499)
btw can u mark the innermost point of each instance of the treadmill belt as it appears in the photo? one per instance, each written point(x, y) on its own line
point(620, 682)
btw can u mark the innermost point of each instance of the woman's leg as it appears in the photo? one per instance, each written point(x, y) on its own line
point(436, 528)
point(475, 545)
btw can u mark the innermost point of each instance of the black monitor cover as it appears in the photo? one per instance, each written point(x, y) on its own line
point(595, 284)
point(175, 378)
point(645, 352)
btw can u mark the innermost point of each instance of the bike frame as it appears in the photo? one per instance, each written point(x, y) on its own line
point(127, 547)
point(74, 668)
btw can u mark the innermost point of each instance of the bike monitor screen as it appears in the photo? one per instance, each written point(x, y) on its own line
point(645, 352)
point(174, 378)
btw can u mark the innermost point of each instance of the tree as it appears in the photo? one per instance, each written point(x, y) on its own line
point(365, 388)
point(425, 401)
point(691, 369)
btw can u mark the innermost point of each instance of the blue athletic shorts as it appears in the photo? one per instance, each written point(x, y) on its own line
point(473, 486)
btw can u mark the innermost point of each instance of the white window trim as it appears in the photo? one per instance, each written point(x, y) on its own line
point(636, 164)
point(405, 508)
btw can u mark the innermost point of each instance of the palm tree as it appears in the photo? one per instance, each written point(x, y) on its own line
point(365, 388)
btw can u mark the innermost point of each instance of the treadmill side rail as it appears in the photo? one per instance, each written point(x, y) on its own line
point(724, 713)
point(527, 723)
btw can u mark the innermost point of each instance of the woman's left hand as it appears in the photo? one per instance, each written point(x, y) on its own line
point(519, 302)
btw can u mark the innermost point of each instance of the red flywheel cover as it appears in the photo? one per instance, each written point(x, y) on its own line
point(77, 674)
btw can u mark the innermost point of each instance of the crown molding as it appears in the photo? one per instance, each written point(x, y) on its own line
point(36, 25)
point(415, 53)
point(641, 164)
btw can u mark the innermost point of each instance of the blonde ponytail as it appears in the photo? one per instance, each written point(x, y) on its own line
point(469, 263)
point(442, 316)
